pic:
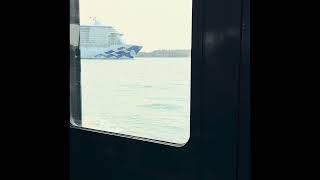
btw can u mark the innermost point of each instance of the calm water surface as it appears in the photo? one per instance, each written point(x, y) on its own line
point(144, 97)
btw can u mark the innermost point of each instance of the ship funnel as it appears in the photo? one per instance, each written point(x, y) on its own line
point(94, 21)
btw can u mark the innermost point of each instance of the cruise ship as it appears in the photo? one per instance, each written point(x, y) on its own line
point(98, 41)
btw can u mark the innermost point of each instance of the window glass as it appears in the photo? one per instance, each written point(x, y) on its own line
point(136, 67)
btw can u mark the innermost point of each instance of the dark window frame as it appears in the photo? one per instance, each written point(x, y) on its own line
point(75, 85)
point(219, 144)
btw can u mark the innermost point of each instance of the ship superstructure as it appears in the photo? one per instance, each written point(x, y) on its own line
point(98, 41)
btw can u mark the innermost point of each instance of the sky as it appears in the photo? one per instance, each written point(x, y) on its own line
point(154, 24)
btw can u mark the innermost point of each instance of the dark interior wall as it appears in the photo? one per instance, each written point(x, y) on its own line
point(244, 137)
point(219, 113)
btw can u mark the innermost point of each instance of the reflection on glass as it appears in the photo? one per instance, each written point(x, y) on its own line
point(135, 67)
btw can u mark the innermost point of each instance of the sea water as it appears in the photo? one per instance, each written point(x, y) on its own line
point(144, 97)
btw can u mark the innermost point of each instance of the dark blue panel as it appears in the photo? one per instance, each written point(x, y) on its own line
point(120, 52)
point(135, 48)
point(109, 56)
point(109, 52)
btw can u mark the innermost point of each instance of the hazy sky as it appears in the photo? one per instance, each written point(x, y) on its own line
point(154, 24)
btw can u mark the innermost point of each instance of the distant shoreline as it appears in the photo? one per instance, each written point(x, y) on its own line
point(166, 53)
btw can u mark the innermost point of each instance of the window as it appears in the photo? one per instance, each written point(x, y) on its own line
point(136, 68)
